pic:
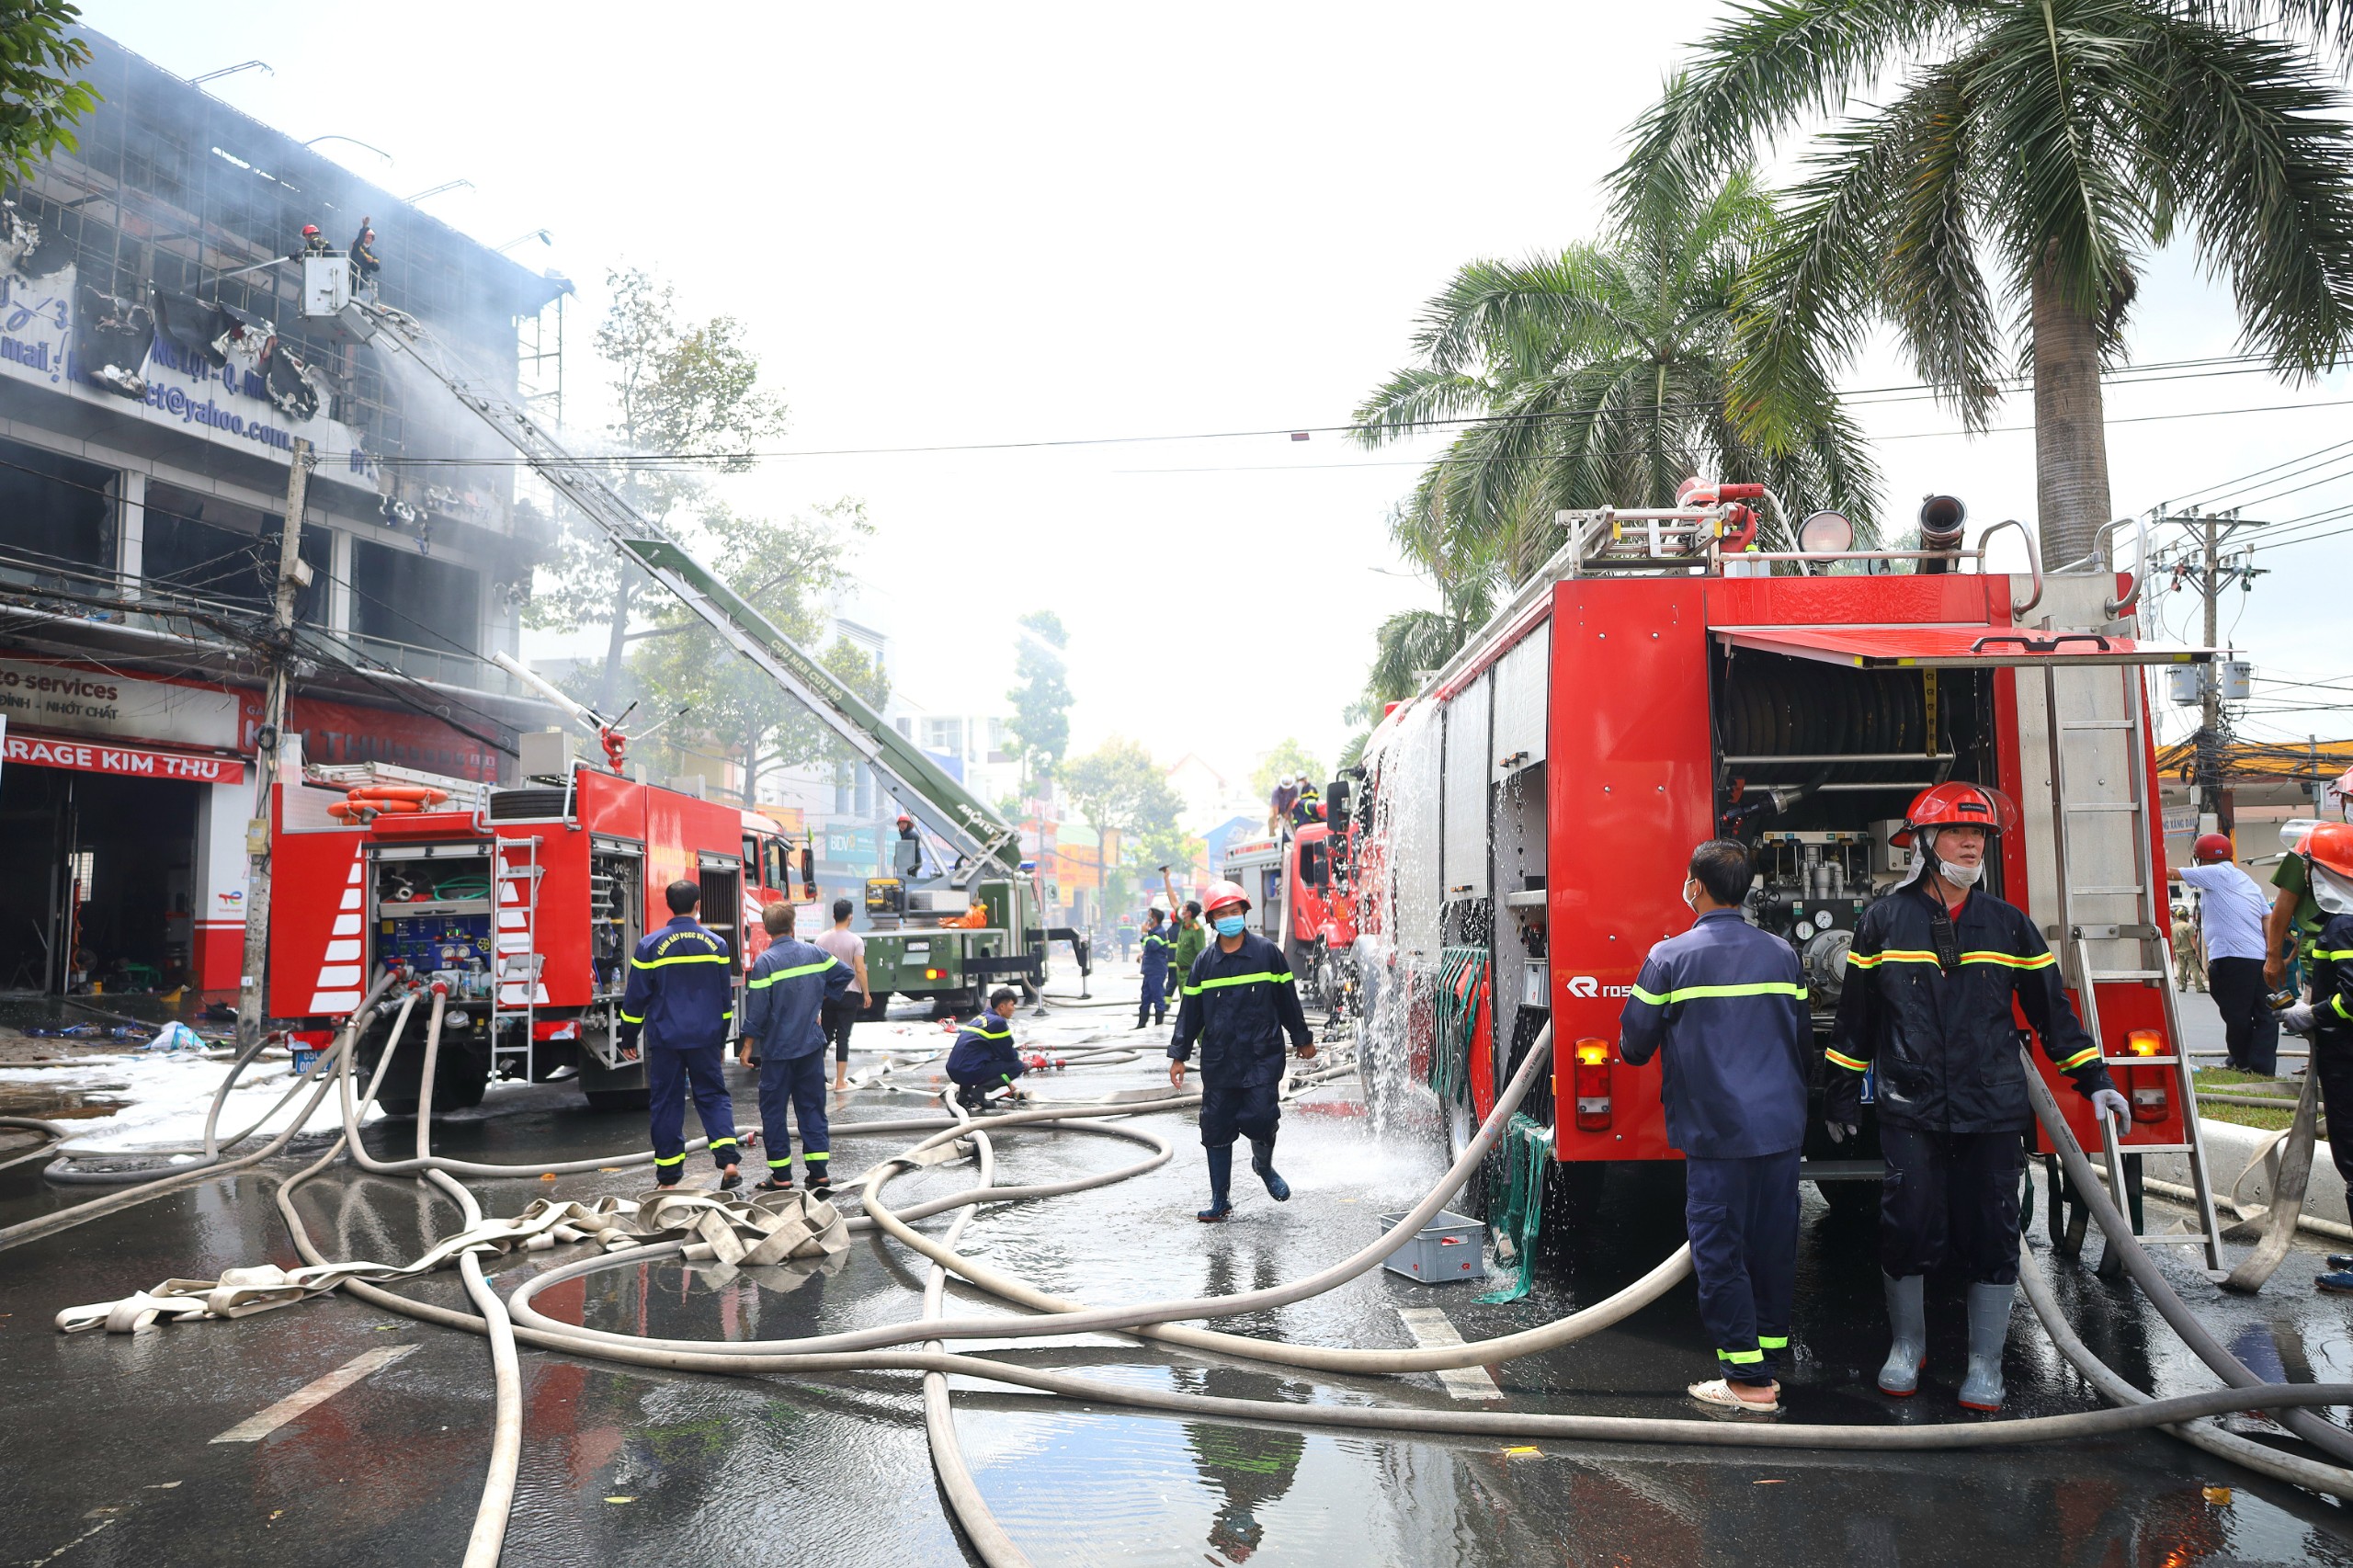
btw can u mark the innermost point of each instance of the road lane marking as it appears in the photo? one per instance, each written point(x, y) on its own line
point(261, 1424)
point(1431, 1330)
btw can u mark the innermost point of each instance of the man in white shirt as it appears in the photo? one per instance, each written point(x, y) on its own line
point(2231, 910)
point(850, 947)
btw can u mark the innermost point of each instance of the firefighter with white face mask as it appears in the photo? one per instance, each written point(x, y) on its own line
point(1934, 970)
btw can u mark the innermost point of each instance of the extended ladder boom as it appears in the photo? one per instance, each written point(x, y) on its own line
point(928, 790)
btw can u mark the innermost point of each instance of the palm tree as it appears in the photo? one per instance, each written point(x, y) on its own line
point(2030, 153)
point(1596, 377)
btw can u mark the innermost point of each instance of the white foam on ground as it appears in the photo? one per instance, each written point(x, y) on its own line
point(167, 1098)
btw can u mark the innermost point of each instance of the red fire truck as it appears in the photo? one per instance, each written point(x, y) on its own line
point(1299, 903)
point(1526, 817)
point(526, 903)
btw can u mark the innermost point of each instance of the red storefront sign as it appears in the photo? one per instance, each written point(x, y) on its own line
point(139, 762)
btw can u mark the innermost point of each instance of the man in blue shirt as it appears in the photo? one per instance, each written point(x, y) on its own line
point(784, 1036)
point(1158, 949)
point(1239, 1003)
point(1727, 1003)
point(2230, 911)
point(680, 998)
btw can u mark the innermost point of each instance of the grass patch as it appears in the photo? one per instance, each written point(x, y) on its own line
point(2260, 1116)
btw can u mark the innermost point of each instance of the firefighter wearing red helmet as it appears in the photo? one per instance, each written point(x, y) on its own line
point(1930, 981)
point(1239, 1003)
point(907, 858)
point(2231, 910)
point(2327, 851)
point(313, 243)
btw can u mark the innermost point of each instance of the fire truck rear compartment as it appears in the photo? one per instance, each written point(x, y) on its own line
point(431, 909)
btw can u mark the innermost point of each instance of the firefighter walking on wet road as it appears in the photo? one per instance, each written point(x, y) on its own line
point(784, 1036)
point(1927, 1001)
point(680, 998)
point(1158, 950)
point(1724, 1006)
point(1239, 1003)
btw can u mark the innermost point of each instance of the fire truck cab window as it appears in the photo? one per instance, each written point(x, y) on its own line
point(775, 869)
point(1312, 869)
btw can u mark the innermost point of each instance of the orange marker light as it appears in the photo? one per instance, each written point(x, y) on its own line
point(2144, 1042)
point(1592, 1052)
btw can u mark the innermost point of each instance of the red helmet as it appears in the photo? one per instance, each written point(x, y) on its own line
point(1959, 805)
point(906, 819)
point(2330, 845)
point(310, 231)
point(2210, 849)
point(1222, 894)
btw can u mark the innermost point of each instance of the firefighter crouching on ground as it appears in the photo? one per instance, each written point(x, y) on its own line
point(1727, 1004)
point(984, 1056)
point(1929, 983)
point(784, 1035)
point(2327, 854)
point(681, 996)
point(1158, 951)
point(1239, 1003)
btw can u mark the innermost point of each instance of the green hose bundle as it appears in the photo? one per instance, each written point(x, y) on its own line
point(1525, 1156)
point(1462, 981)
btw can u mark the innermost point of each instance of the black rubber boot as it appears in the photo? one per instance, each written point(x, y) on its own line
point(1262, 1160)
point(1221, 1179)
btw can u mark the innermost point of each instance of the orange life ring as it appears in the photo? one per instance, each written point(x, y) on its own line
point(417, 795)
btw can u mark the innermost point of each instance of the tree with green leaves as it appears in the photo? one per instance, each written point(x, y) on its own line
point(1288, 756)
point(1997, 202)
point(734, 708)
point(40, 99)
point(1041, 721)
point(686, 396)
point(1120, 790)
point(1599, 375)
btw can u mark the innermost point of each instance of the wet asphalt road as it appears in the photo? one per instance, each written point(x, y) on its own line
point(110, 1457)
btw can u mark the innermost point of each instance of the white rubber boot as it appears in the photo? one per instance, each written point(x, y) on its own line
point(1907, 1317)
point(1989, 1329)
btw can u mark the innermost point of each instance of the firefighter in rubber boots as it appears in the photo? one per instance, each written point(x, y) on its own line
point(1239, 1003)
point(784, 1036)
point(1927, 1001)
point(1159, 949)
point(2327, 850)
point(985, 1057)
point(680, 998)
point(1724, 1006)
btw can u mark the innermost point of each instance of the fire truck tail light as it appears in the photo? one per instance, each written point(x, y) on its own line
point(931, 974)
point(2144, 1042)
point(1593, 1085)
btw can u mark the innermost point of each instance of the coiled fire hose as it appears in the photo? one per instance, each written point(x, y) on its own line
point(768, 1358)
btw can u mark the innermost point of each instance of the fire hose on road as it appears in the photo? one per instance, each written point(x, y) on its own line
point(915, 1347)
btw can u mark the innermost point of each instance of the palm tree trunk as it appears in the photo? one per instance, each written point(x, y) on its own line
point(616, 648)
point(2070, 430)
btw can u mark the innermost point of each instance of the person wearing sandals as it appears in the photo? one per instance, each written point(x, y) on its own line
point(784, 1000)
point(1724, 1007)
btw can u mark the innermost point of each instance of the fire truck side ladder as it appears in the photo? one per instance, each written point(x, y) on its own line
point(927, 789)
point(517, 963)
point(2075, 935)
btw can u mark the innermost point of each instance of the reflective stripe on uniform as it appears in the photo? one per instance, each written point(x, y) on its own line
point(1690, 993)
point(763, 981)
point(990, 1034)
point(1742, 1358)
point(2336, 1005)
point(2338, 954)
point(721, 1143)
point(1893, 955)
point(1848, 1062)
point(673, 1159)
point(812, 1155)
point(2011, 960)
point(2086, 1055)
point(682, 958)
point(783, 1164)
point(1263, 975)
point(1773, 1341)
point(632, 1018)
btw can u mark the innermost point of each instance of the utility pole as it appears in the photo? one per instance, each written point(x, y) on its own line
point(293, 576)
point(2210, 576)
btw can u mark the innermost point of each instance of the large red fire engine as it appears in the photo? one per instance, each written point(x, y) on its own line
point(525, 902)
point(1526, 819)
point(1299, 903)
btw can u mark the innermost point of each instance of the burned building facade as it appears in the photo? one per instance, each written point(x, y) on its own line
point(155, 372)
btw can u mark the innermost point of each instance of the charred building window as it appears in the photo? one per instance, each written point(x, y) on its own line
point(203, 545)
point(56, 517)
point(398, 595)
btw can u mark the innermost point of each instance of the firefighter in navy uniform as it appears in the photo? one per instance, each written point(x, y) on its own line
point(1930, 981)
point(1727, 1003)
point(1158, 950)
point(681, 997)
point(2326, 853)
point(785, 999)
point(1239, 1003)
point(984, 1058)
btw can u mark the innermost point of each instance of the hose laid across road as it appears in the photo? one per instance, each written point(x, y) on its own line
point(880, 1349)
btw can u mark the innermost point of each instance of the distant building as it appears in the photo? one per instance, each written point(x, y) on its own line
point(154, 373)
point(1210, 796)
